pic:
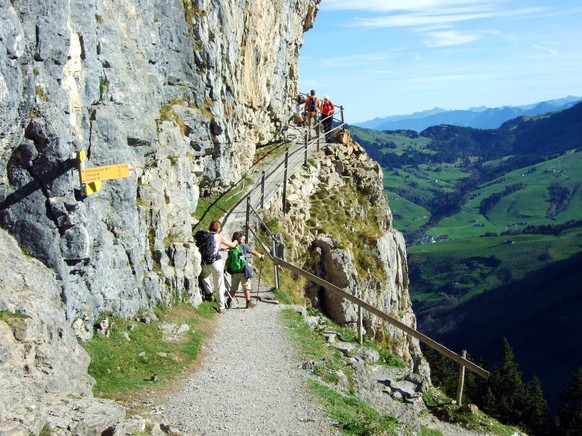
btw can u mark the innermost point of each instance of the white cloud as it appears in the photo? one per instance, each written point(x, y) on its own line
point(357, 60)
point(454, 78)
point(416, 20)
point(547, 49)
point(381, 72)
point(398, 5)
point(449, 38)
point(434, 13)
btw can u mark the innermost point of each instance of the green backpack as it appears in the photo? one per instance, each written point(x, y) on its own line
point(236, 261)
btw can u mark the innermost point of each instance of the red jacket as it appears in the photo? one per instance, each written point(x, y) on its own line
point(327, 108)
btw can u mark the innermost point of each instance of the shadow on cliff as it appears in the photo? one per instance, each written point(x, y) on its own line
point(39, 182)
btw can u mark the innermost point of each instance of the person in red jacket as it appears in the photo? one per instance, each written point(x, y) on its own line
point(327, 111)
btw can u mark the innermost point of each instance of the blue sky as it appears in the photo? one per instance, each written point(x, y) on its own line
point(389, 57)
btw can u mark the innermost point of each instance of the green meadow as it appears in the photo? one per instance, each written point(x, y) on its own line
point(464, 268)
point(501, 241)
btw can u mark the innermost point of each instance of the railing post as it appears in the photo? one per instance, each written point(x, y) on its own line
point(461, 380)
point(263, 190)
point(305, 155)
point(275, 266)
point(343, 121)
point(248, 218)
point(360, 322)
point(285, 183)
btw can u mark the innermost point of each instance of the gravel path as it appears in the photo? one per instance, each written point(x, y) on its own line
point(250, 382)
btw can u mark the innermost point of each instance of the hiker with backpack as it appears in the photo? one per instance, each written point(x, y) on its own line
point(208, 243)
point(327, 111)
point(237, 265)
point(299, 110)
point(312, 108)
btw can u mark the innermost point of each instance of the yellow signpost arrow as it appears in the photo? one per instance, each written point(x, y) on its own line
point(91, 178)
point(107, 172)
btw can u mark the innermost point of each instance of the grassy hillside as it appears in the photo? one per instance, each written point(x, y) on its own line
point(539, 314)
point(506, 219)
point(464, 268)
point(529, 205)
point(413, 187)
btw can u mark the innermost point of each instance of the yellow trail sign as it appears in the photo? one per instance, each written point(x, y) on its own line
point(107, 172)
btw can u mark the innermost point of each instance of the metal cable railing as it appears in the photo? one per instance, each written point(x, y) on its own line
point(260, 195)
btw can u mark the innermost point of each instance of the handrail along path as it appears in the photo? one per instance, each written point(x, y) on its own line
point(265, 189)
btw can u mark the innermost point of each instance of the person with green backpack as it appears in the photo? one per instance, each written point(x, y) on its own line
point(238, 267)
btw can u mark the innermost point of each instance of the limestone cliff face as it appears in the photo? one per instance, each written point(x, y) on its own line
point(354, 229)
point(44, 380)
point(183, 90)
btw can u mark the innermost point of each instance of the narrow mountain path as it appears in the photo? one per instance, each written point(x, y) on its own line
point(249, 383)
point(274, 177)
point(250, 380)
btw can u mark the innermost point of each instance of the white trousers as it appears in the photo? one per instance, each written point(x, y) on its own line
point(213, 278)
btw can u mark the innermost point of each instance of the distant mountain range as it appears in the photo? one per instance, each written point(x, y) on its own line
point(478, 117)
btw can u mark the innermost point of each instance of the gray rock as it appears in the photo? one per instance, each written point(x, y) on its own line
point(188, 120)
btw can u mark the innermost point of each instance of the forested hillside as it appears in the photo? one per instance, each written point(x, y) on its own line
point(493, 221)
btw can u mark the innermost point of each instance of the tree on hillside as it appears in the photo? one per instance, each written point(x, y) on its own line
point(537, 416)
point(507, 389)
point(571, 415)
point(559, 197)
point(477, 387)
point(443, 371)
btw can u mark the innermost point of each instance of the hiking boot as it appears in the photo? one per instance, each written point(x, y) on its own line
point(228, 302)
point(207, 296)
point(250, 304)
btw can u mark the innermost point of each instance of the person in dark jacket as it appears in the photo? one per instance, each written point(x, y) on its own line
point(213, 273)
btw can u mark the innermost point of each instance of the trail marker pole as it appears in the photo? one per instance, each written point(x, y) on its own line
point(263, 190)
point(461, 380)
point(284, 208)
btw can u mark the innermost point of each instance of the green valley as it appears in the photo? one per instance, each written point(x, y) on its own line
point(493, 224)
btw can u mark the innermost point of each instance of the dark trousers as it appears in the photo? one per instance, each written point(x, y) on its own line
point(327, 126)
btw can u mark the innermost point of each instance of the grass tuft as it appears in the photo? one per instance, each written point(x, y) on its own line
point(136, 356)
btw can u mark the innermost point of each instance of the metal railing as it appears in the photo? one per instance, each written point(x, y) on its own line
point(295, 156)
point(261, 193)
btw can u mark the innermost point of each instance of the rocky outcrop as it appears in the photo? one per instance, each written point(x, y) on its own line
point(183, 90)
point(44, 382)
point(382, 280)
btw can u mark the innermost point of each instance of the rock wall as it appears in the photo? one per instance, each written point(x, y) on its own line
point(183, 90)
point(332, 168)
point(44, 380)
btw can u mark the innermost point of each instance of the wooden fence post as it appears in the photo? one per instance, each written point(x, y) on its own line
point(360, 322)
point(263, 190)
point(275, 266)
point(248, 218)
point(284, 206)
point(305, 154)
point(461, 380)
